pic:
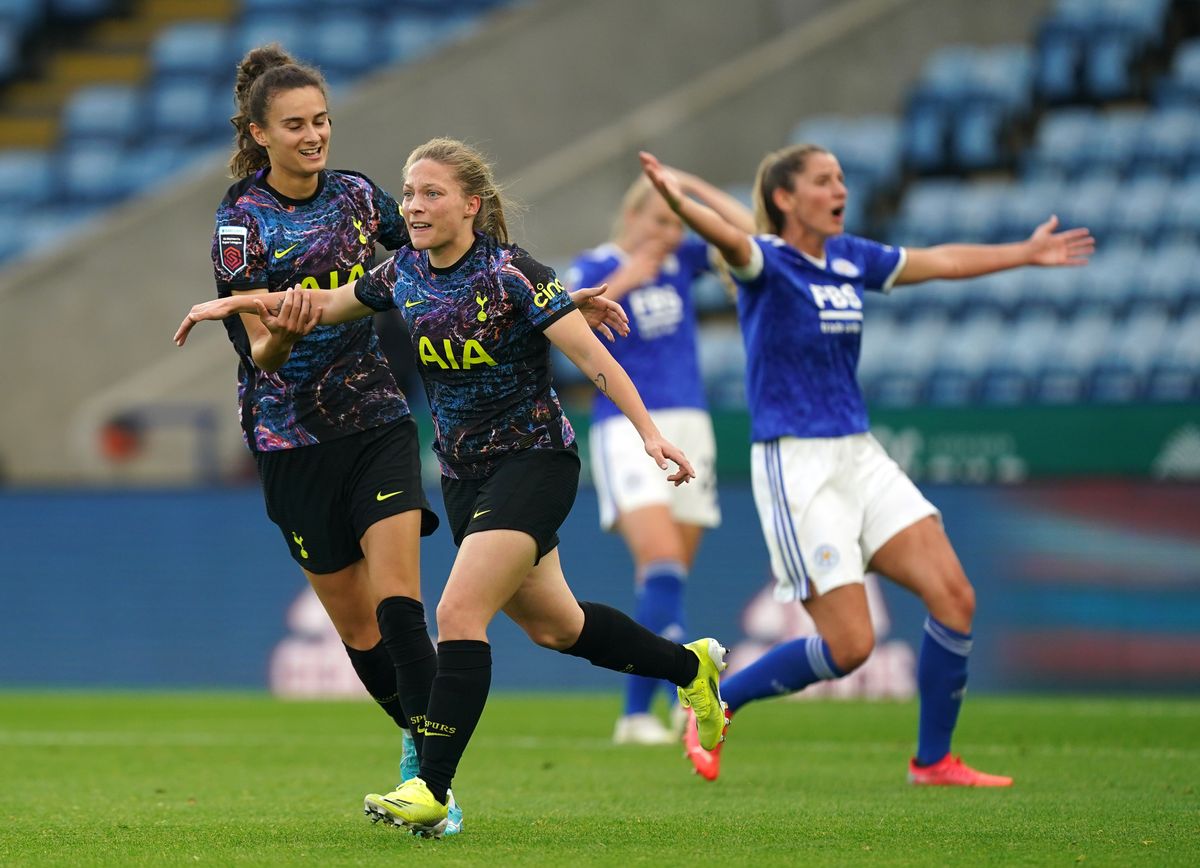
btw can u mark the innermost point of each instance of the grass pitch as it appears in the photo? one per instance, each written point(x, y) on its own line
point(146, 779)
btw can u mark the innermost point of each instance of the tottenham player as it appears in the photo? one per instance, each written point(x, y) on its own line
point(482, 314)
point(830, 501)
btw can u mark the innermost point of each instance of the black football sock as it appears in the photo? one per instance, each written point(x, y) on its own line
point(460, 690)
point(378, 675)
point(611, 639)
point(414, 662)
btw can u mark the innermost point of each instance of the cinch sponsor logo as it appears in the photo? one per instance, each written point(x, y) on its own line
point(469, 355)
point(546, 292)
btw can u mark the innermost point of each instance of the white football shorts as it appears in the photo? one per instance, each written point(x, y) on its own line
point(626, 478)
point(826, 505)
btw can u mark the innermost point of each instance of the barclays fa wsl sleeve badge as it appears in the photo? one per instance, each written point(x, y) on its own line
point(231, 242)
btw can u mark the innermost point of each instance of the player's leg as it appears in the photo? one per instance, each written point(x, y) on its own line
point(490, 566)
point(300, 488)
point(546, 609)
point(921, 559)
point(904, 540)
point(388, 511)
point(661, 564)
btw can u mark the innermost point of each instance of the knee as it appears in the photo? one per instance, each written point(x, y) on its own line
point(954, 603)
point(361, 634)
point(457, 621)
point(851, 651)
point(556, 637)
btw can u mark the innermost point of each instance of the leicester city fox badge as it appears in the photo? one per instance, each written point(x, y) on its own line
point(231, 244)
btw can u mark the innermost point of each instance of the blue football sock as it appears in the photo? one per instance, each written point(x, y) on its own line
point(785, 668)
point(941, 682)
point(660, 610)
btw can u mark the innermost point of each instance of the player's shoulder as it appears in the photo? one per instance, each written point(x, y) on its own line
point(237, 199)
point(516, 260)
point(847, 253)
point(351, 178)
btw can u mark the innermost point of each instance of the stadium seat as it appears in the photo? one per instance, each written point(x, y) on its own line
point(1061, 142)
point(723, 364)
point(1182, 86)
point(910, 361)
point(1070, 360)
point(190, 48)
point(1015, 361)
point(1121, 373)
point(108, 113)
point(1138, 208)
point(1174, 373)
point(27, 179)
point(963, 357)
point(345, 45)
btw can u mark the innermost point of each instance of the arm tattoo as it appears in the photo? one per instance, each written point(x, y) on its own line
point(601, 382)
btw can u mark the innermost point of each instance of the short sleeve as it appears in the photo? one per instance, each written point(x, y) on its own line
point(376, 288)
point(750, 275)
point(882, 263)
point(238, 252)
point(536, 290)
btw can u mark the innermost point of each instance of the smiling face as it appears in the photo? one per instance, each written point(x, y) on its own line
point(440, 216)
point(814, 208)
point(296, 136)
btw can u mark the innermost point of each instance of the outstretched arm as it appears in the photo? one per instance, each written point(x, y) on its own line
point(291, 312)
point(571, 335)
point(955, 261)
point(733, 242)
point(728, 207)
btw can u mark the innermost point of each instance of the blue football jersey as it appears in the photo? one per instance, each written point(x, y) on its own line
point(801, 322)
point(659, 354)
point(336, 381)
point(477, 331)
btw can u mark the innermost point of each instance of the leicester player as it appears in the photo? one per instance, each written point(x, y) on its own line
point(331, 434)
point(482, 314)
point(831, 502)
point(649, 267)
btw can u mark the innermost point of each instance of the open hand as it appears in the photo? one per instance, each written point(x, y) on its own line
point(218, 308)
point(665, 181)
point(1070, 247)
point(602, 314)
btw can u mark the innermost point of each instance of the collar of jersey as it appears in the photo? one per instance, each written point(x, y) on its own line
point(261, 180)
point(450, 269)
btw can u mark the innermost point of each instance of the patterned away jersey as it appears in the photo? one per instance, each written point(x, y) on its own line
point(336, 381)
point(802, 326)
point(660, 352)
point(477, 331)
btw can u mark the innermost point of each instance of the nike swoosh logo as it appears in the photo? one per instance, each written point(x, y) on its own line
point(412, 303)
point(381, 496)
point(279, 254)
point(481, 512)
point(438, 734)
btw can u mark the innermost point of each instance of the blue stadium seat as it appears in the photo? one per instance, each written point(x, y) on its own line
point(23, 15)
point(108, 113)
point(963, 357)
point(1090, 203)
point(926, 213)
point(1114, 276)
point(1168, 143)
point(410, 35)
point(293, 31)
point(1174, 373)
point(1122, 373)
point(1070, 360)
point(1181, 214)
point(1167, 274)
point(1108, 66)
point(1139, 206)
point(1062, 142)
point(27, 179)
point(1015, 362)
point(91, 174)
point(346, 45)
point(10, 51)
point(904, 382)
point(1182, 86)
point(188, 109)
point(723, 364)
point(191, 48)
point(1115, 141)
point(81, 11)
